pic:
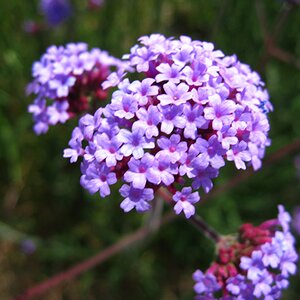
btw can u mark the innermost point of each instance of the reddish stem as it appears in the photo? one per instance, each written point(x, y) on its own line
point(99, 258)
point(244, 176)
point(142, 232)
point(201, 225)
point(271, 36)
point(196, 220)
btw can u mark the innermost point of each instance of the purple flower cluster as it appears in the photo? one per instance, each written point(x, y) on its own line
point(66, 79)
point(194, 109)
point(261, 275)
point(56, 11)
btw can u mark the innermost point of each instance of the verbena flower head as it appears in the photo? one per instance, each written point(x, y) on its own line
point(255, 264)
point(192, 110)
point(56, 11)
point(66, 81)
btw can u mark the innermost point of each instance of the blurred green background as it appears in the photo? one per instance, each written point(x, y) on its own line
point(40, 195)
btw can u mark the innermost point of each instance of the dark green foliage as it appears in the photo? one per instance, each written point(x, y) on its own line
point(41, 197)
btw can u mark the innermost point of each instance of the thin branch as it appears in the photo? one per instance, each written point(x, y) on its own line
point(261, 18)
point(232, 183)
point(265, 33)
point(281, 19)
point(145, 231)
point(244, 176)
point(155, 214)
point(196, 220)
point(96, 260)
point(284, 56)
point(270, 37)
point(209, 232)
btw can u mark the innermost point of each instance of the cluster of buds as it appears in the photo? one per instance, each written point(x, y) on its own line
point(254, 264)
point(67, 82)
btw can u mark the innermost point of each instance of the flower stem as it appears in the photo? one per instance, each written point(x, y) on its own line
point(205, 228)
point(81, 267)
point(196, 220)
